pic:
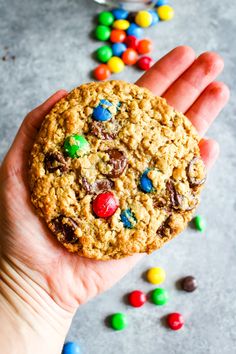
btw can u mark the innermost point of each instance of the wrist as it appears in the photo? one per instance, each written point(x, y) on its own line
point(33, 322)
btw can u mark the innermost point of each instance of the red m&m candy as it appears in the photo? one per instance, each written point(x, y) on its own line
point(145, 62)
point(105, 205)
point(137, 298)
point(117, 36)
point(131, 42)
point(101, 72)
point(175, 321)
point(144, 46)
point(130, 56)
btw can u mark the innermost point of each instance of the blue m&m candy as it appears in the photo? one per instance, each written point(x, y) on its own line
point(128, 218)
point(155, 17)
point(145, 182)
point(120, 14)
point(118, 49)
point(161, 3)
point(101, 112)
point(71, 348)
point(134, 30)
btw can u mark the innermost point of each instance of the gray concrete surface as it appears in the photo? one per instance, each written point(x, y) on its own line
point(52, 48)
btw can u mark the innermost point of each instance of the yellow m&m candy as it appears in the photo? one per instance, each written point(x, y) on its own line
point(121, 24)
point(143, 19)
point(115, 64)
point(165, 12)
point(156, 275)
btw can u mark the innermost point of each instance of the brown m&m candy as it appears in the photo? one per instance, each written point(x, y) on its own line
point(189, 284)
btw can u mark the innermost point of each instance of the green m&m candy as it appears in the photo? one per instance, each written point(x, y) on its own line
point(118, 321)
point(199, 223)
point(106, 18)
point(159, 296)
point(102, 33)
point(104, 53)
point(76, 146)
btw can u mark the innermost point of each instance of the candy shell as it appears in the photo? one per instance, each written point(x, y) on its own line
point(101, 72)
point(130, 56)
point(115, 64)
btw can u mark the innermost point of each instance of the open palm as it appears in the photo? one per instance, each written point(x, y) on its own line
point(188, 84)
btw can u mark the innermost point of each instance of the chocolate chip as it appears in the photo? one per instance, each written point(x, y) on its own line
point(189, 284)
point(98, 186)
point(65, 227)
point(161, 232)
point(55, 161)
point(193, 181)
point(175, 198)
point(117, 161)
point(98, 129)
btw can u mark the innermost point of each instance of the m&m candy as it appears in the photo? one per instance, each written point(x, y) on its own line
point(115, 64)
point(118, 321)
point(102, 33)
point(161, 2)
point(134, 30)
point(165, 12)
point(104, 53)
point(130, 56)
point(137, 298)
point(101, 112)
point(128, 218)
point(71, 348)
point(120, 14)
point(175, 321)
point(144, 46)
point(199, 223)
point(118, 49)
point(143, 19)
point(105, 205)
point(189, 284)
point(101, 72)
point(121, 24)
point(159, 296)
point(106, 18)
point(144, 63)
point(156, 275)
point(145, 182)
point(117, 36)
point(155, 17)
point(131, 42)
point(76, 146)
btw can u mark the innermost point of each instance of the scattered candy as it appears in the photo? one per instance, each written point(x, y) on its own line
point(165, 12)
point(189, 284)
point(145, 182)
point(71, 348)
point(128, 218)
point(115, 64)
point(143, 19)
point(104, 53)
point(144, 63)
point(118, 49)
point(161, 2)
point(130, 56)
point(159, 296)
point(121, 24)
point(131, 42)
point(101, 72)
point(76, 146)
point(105, 205)
point(156, 275)
point(120, 14)
point(102, 33)
point(134, 30)
point(137, 298)
point(144, 46)
point(118, 321)
point(155, 17)
point(199, 223)
point(101, 112)
point(175, 321)
point(106, 18)
point(117, 36)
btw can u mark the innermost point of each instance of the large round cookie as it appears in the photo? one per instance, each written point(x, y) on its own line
point(134, 149)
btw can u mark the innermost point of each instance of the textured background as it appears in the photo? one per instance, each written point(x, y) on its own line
point(52, 49)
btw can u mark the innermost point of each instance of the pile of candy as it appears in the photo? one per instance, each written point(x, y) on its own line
point(159, 297)
point(124, 31)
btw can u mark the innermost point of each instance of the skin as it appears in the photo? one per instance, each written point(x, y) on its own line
point(42, 284)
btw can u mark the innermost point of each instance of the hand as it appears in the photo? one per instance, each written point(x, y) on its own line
point(26, 243)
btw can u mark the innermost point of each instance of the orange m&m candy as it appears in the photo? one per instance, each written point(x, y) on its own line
point(144, 46)
point(101, 72)
point(117, 36)
point(130, 56)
